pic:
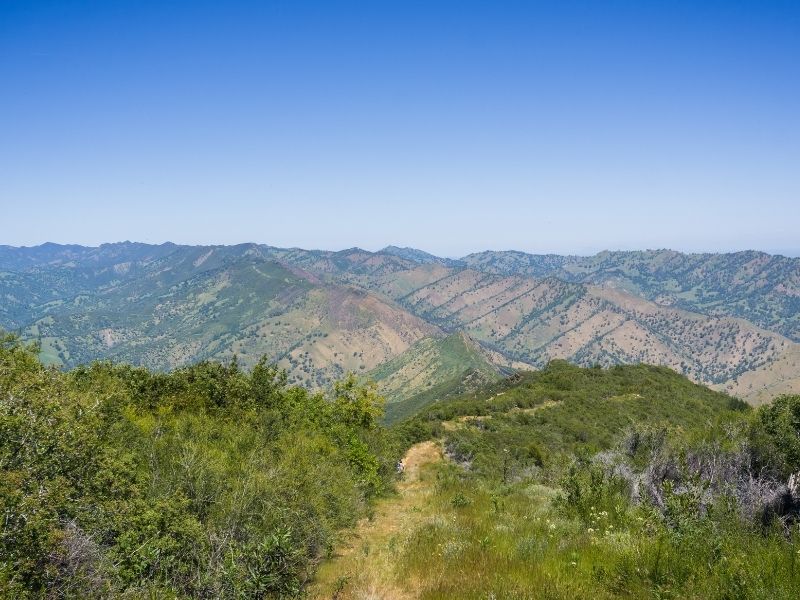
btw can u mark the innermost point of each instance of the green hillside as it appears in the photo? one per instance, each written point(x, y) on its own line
point(628, 482)
point(431, 370)
point(717, 318)
point(212, 302)
point(564, 407)
point(169, 315)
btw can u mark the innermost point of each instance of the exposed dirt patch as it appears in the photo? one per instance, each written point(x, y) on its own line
point(463, 420)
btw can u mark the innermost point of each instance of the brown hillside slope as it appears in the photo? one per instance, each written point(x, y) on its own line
point(534, 321)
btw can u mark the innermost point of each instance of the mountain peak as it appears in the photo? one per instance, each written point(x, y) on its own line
point(415, 255)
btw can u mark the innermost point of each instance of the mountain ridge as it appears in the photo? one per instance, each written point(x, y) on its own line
point(127, 300)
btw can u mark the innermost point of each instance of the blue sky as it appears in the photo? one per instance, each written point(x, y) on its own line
point(449, 126)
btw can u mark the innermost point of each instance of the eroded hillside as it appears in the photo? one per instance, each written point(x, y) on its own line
point(725, 320)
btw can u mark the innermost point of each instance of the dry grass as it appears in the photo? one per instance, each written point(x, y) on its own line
point(461, 421)
point(363, 568)
point(764, 383)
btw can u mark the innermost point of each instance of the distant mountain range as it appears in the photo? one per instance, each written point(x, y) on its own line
point(407, 318)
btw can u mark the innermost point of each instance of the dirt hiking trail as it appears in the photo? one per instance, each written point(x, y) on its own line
point(362, 567)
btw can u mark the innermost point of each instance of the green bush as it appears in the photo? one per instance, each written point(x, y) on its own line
point(775, 435)
point(208, 481)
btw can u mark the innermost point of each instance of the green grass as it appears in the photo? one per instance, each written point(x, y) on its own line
point(451, 366)
point(523, 511)
point(485, 540)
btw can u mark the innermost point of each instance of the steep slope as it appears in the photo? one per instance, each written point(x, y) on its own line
point(765, 382)
point(432, 369)
point(715, 318)
point(334, 330)
point(249, 307)
point(762, 288)
point(535, 321)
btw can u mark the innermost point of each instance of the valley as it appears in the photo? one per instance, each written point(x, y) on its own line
point(724, 320)
point(232, 477)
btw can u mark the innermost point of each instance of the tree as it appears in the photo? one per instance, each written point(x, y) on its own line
point(356, 404)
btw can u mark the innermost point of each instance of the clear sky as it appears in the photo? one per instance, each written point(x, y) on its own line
point(450, 126)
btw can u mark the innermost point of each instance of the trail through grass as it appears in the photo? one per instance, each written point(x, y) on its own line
point(364, 566)
point(459, 422)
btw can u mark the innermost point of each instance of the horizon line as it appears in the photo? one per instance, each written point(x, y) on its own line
point(785, 253)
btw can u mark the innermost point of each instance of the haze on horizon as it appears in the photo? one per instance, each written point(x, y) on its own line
point(449, 127)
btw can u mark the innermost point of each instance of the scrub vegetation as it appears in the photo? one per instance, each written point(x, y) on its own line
point(214, 481)
point(206, 482)
point(625, 482)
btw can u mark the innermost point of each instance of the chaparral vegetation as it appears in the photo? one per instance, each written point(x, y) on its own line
point(215, 481)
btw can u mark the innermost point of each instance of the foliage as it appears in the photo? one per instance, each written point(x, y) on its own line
point(545, 416)
point(209, 481)
point(431, 370)
point(775, 435)
point(212, 481)
point(648, 486)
